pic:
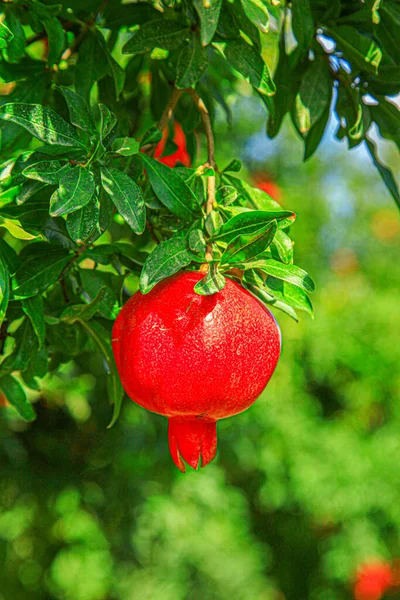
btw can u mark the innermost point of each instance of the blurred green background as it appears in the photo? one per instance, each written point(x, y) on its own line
point(305, 486)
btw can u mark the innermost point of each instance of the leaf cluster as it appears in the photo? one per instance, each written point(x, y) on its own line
point(88, 211)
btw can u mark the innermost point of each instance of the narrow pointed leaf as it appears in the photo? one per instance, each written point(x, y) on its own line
point(251, 221)
point(35, 276)
point(384, 172)
point(246, 60)
point(79, 111)
point(248, 247)
point(166, 259)
point(208, 14)
point(288, 272)
point(82, 223)
point(46, 171)
point(257, 12)
point(212, 283)
point(170, 189)
point(41, 122)
point(33, 308)
point(16, 396)
point(76, 189)
point(126, 196)
point(192, 63)
point(159, 33)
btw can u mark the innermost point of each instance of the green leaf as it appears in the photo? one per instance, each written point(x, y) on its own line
point(303, 27)
point(250, 222)
point(258, 14)
point(248, 247)
point(56, 39)
point(212, 283)
point(170, 189)
point(28, 189)
point(5, 35)
point(234, 166)
point(126, 196)
point(289, 294)
point(46, 171)
point(126, 146)
point(152, 136)
point(79, 111)
point(41, 122)
point(213, 222)
point(4, 288)
point(314, 95)
point(84, 312)
point(16, 45)
point(262, 295)
point(197, 241)
point(116, 71)
point(76, 189)
point(82, 223)
point(159, 33)
point(25, 348)
point(107, 121)
point(226, 195)
point(384, 172)
point(284, 246)
point(166, 259)
point(33, 308)
point(287, 272)
point(360, 50)
point(287, 84)
point(208, 14)
point(387, 116)
point(192, 63)
point(36, 275)
point(15, 395)
point(91, 66)
point(101, 338)
point(246, 60)
point(314, 137)
point(9, 257)
point(255, 197)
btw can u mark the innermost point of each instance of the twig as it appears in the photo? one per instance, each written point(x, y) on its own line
point(205, 117)
point(68, 267)
point(165, 117)
point(80, 37)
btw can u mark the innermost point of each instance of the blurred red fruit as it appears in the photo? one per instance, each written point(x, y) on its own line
point(180, 156)
point(373, 579)
point(264, 182)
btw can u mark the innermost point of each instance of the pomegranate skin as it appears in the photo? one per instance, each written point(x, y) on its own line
point(195, 359)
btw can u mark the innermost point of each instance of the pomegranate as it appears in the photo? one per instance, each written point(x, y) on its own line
point(181, 155)
point(373, 579)
point(195, 359)
point(265, 183)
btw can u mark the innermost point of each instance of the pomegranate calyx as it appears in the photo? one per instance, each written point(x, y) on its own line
point(193, 439)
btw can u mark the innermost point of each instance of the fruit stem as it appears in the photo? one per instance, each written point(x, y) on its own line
point(165, 117)
point(205, 117)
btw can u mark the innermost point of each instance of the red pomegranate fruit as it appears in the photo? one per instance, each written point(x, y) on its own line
point(195, 359)
point(373, 579)
point(181, 155)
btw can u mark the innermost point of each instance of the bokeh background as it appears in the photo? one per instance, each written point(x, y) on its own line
point(305, 488)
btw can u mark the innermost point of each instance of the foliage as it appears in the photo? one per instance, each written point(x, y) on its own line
point(91, 212)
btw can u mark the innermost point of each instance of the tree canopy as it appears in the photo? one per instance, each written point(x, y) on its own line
point(89, 210)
